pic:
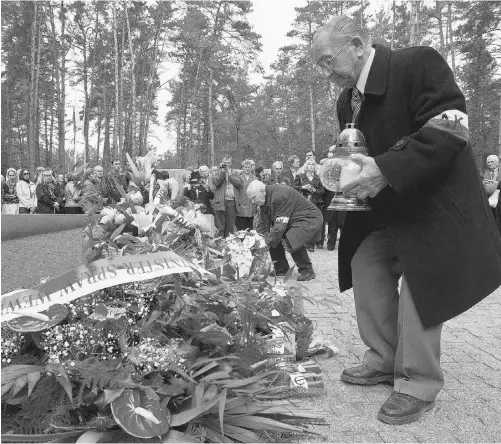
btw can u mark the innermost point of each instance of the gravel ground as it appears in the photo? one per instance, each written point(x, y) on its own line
point(27, 260)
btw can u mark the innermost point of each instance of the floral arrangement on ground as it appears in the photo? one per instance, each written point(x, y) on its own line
point(172, 359)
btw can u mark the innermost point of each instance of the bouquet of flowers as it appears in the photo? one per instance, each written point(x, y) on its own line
point(247, 251)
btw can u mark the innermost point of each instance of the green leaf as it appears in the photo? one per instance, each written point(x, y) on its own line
point(242, 435)
point(170, 390)
point(7, 387)
point(41, 437)
point(214, 436)
point(61, 377)
point(117, 232)
point(208, 367)
point(210, 393)
point(66, 385)
point(234, 383)
point(199, 395)
point(262, 423)
point(33, 378)
point(186, 416)
point(108, 396)
point(19, 384)
point(200, 362)
point(92, 436)
point(174, 437)
point(216, 375)
point(12, 372)
point(222, 403)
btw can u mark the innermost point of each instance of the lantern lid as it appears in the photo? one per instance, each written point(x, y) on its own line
point(350, 137)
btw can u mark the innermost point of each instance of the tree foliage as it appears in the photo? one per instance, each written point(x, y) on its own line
point(114, 54)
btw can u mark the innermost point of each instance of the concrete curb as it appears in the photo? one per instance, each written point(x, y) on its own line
point(23, 225)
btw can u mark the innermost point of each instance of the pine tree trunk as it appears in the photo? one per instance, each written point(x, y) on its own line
point(451, 38)
point(117, 107)
point(133, 89)
point(438, 12)
point(499, 140)
point(414, 31)
point(61, 114)
point(56, 68)
point(48, 160)
point(107, 118)
point(149, 91)
point(211, 122)
point(183, 140)
point(210, 113)
point(32, 98)
point(86, 98)
point(312, 116)
point(122, 111)
point(310, 91)
point(392, 25)
point(178, 123)
point(51, 137)
point(7, 134)
point(38, 160)
point(99, 125)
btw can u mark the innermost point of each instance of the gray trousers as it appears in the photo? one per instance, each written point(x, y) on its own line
point(389, 323)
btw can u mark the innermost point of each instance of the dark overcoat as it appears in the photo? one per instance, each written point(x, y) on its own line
point(291, 215)
point(435, 207)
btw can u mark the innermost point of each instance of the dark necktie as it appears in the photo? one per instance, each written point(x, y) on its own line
point(356, 103)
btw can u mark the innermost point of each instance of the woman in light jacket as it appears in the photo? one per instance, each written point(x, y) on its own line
point(25, 189)
point(10, 201)
point(72, 196)
point(310, 186)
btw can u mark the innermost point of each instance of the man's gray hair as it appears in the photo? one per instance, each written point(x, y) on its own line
point(278, 164)
point(255, 186)
point(342, 29)
point(293, 158)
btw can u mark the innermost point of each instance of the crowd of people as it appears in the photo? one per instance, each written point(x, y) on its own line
point(51, 192)
point(221, 189)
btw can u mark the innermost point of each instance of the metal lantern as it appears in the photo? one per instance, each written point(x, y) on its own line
point(340, 169)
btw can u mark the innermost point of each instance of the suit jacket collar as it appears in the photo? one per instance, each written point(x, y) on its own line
point(376, 82)
point(378, 75)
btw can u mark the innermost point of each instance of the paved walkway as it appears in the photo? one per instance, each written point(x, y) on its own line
point(468, 409)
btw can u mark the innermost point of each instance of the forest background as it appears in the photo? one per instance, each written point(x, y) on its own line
point(112, 51)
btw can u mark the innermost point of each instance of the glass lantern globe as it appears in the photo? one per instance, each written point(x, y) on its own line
point(336, 171)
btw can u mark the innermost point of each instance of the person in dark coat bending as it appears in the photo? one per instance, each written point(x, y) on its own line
point(294, 221)
point(431, 223)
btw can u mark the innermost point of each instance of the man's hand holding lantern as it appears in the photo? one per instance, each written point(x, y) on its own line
point(368, 183)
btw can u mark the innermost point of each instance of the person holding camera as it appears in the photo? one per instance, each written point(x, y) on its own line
point(199, 192)
point(225, 209)
point(245, 208)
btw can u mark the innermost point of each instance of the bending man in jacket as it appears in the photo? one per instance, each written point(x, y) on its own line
point(430, 222)
point(294, 221)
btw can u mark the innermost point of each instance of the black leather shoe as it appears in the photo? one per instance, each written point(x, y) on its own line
point(330, 247)
point(306, 275)
point(311, 250)
point(364, 375)
point(320, 246)
point(281, 272)
point(400, 408)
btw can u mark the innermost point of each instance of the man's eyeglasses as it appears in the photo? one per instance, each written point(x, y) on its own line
point(26, 174)
point(326, 62)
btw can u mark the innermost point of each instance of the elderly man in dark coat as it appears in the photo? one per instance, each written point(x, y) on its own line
point(431, 223)
point(294, 221)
